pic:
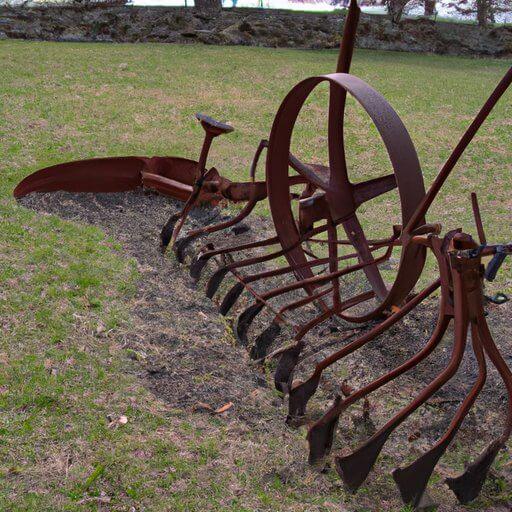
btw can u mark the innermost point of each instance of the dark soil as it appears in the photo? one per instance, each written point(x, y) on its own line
point(190, 357)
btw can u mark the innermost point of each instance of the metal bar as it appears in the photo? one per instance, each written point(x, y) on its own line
point(482, 115)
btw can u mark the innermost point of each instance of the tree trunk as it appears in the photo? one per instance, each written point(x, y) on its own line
point(208, 5)
point(396, 9)
point(430, 7)
point(482, 12)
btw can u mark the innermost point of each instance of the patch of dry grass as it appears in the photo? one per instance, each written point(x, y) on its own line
point(65, 379)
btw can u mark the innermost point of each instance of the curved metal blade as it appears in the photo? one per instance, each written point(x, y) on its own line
point(321, 436)
point(230, 298)
point(286, 366)
point(198, 263)
point(245, 320)
point(413, 479)
point(300, 395)
point(215, 281)
point(264, 341)
point(166, 233)
point(354, 468)
point(182, 243)
point(468, 485)
point(116, 174)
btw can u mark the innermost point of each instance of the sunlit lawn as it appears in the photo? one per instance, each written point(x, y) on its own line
point(62, 102)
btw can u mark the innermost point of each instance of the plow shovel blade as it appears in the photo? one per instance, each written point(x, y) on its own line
point(354, 468)
point(230, 298)
point(320, 438)
point(264, 340)
point(117, 174)
point(299, 397)
point(170, 176)
point(412, 480)
point(468, 485)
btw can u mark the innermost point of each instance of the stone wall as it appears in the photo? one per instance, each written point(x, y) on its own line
point(248, 27)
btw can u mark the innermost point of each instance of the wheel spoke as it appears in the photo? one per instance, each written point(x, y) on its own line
point(313, 172)
point(358, 239)
point(373, 188)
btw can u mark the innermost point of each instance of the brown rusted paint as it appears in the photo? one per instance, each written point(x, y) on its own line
point(115, 174)
point(171, 176)
point(329, 203)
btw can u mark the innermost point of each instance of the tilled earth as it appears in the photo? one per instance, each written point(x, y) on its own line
point(190, 357)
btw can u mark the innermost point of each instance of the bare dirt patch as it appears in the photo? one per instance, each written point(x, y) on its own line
point(190, 358)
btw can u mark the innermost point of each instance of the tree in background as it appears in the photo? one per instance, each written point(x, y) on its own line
point(430, 7)
point(396, 8)
point(485, 10)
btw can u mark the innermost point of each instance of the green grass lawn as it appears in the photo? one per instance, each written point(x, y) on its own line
point(63, 102)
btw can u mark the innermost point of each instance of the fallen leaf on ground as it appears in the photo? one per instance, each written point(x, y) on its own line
point(201, 406)
point(115, 422)
point(224, 408)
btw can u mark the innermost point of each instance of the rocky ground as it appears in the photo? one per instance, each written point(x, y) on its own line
point(189, 356)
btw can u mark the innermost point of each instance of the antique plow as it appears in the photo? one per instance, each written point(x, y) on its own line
point(462, 302)
point(329, 205)
point(319, 243)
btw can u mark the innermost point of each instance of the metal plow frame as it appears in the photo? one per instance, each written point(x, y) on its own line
point(327, 206)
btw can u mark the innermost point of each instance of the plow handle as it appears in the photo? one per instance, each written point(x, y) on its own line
point(495, 264)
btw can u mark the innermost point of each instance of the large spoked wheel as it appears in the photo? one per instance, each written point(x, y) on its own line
point(338, 199)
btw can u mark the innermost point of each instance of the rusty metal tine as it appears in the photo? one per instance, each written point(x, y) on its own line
point(284, 367)
point(288, 360)
point(243, 282)
point(468, 485)
point(248, 208)
point(343, 306)
point(320, 443)
point(182, 243)
point(317, 431)
point(482, 115)
point(321, 279)
point(217, 277)
point(216, 280)
point(497, 360)
point(354, 468)
point(167, 230)
point(200, 174)
point(381, 242)
point(412, 480)
point(301, 394)
point(478, 219)
point(202, 258)
point(248, 315)
point(303, 301)
point(233, 294)
point(266, 337)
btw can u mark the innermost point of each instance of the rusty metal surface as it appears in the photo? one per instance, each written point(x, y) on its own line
point(172, 176)
point(312, 227)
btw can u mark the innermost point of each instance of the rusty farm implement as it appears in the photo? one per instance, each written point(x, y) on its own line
point(319, 242)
